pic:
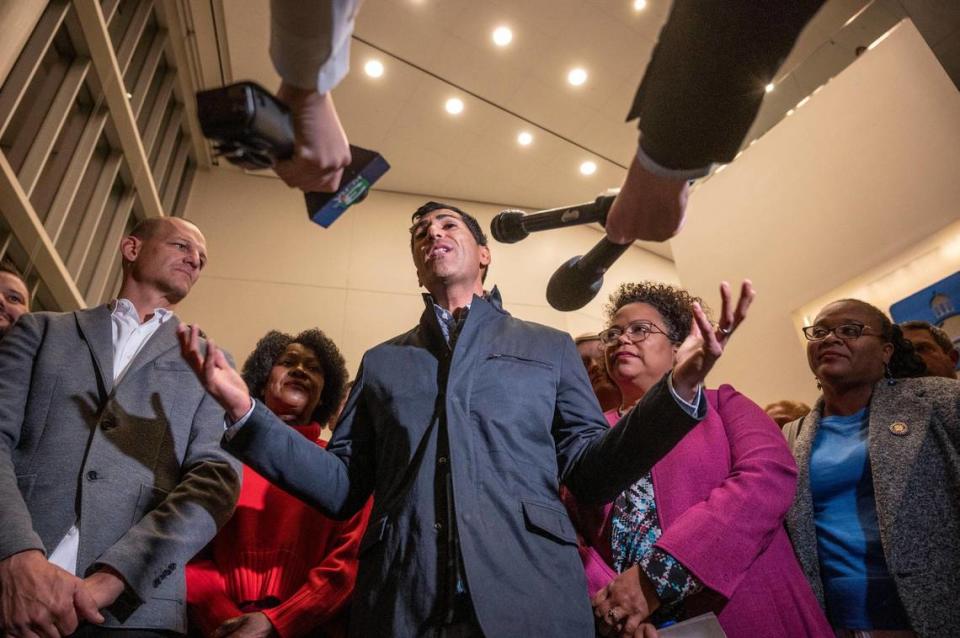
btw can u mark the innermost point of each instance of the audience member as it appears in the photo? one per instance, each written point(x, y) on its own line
point(14, 297)
point(703, 530)
point(463, 428)
point(876, 518)
point(280, 567)
point(111, 475)
point(784, 411)
point(591, 353)
point(934, 346)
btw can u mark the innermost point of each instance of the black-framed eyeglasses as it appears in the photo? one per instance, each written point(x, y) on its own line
point(847, 332)
point(636, 332)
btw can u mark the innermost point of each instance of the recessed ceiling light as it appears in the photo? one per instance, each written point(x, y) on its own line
point(454, 106)
point(577, 76)
point(588, 168)
point(524, 139)
point(639, 5)
point(373, 68)
point(502, 36)
point(769, 88)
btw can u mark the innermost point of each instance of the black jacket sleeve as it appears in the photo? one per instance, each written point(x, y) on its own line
point(705, 81)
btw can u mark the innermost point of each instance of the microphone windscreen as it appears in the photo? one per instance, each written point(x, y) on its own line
point(572, 287)
point(507, 227)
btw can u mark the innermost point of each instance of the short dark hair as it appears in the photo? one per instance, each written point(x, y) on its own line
point(674, 304)
point(469, 221)
point(256, 369)
point(940, 336)
point(904, 362)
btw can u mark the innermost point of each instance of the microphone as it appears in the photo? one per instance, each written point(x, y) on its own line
point(510, 226)
point(579, 280)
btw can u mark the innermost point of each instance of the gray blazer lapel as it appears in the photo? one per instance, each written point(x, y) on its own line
point(800, 523)
point(162, 340)
point(97, 331)
point(898, 427)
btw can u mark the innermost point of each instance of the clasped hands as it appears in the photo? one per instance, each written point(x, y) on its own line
point(40, 600)
point(624, 604)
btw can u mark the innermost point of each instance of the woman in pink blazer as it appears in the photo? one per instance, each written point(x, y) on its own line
point(704, 530)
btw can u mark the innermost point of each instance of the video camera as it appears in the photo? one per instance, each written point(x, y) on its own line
point(249, 127)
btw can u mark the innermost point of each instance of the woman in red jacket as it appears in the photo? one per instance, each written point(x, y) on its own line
point(278, 567)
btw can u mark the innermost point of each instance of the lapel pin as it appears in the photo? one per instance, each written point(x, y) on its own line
point(899, 428)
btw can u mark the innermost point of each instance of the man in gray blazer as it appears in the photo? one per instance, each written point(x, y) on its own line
point(111, 475)
point(463, 429)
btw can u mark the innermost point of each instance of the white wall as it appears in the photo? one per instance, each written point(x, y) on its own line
point(855, 179)
point(271, 268)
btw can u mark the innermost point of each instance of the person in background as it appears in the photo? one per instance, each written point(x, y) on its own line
point(591, 353)
point(782, 412)
point(876, 518)
point(279, 567)
point(703, 530)
point(934, 346)
point(14, 297)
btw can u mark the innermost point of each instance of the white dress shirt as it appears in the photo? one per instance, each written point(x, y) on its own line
point(129, 336)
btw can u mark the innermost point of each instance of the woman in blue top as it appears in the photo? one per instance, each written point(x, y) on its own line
point(876, 520)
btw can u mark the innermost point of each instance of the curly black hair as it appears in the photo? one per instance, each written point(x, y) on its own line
point(256, 369)
point(674, 305)
point(904, 362)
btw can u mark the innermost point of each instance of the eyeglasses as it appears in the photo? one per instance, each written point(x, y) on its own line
point(847, 332)
point(636, 332)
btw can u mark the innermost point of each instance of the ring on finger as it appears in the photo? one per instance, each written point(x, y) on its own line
point(612, 616)
point(726, 332)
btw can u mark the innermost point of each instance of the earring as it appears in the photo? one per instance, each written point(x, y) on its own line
point(888, 375)
point(819, 387)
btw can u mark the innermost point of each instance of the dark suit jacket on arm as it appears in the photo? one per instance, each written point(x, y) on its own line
point(521, 419)
point(704, 84)
point(138, 465)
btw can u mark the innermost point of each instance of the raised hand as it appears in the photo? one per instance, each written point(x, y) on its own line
point(701, 350)
point(215, 373)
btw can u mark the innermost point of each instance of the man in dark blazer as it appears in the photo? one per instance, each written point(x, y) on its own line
point(463, 429)
point(111, 476)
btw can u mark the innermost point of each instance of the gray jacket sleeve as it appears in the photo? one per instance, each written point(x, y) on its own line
point(17, 353)
point(310, 41)
point(189, 516)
